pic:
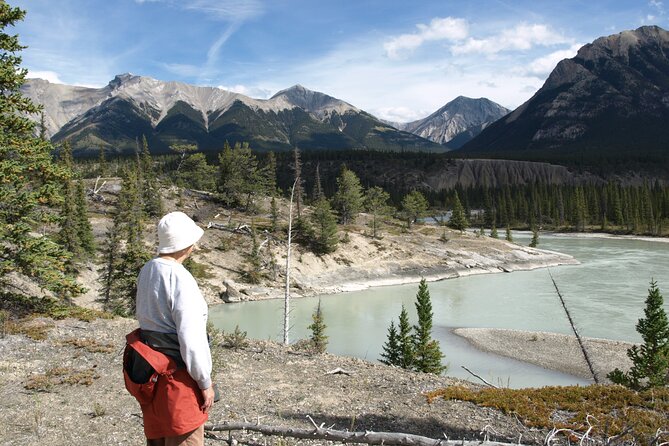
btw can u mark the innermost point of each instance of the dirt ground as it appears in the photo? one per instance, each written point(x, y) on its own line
point(59, 391)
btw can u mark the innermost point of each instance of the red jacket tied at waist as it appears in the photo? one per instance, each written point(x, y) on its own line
point(170, 399)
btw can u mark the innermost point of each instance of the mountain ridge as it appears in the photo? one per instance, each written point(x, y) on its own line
point(169, 112)
point(612, 97)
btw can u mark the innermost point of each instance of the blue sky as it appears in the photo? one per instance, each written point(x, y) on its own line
point(396, 59)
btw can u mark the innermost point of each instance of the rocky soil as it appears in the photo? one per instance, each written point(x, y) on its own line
point(68, 389)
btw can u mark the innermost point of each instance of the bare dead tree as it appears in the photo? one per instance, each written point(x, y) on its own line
point(329, 434)
point(286, 300)
point(573, 327)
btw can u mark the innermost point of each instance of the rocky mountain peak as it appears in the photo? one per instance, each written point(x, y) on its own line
point(614, 95)
point(313, 101)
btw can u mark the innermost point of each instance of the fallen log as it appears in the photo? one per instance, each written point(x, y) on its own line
point(367, 437)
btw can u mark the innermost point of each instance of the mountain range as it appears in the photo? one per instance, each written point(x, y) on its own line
point(612, 98)
point(130, 107)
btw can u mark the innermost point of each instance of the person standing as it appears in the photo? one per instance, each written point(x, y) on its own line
point(172, 316)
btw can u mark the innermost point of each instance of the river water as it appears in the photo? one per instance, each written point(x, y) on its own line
point(605, 294)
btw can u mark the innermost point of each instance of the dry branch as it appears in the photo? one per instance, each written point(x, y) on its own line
point(368, 437)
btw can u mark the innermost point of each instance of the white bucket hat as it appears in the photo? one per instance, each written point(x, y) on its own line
point(177, 231)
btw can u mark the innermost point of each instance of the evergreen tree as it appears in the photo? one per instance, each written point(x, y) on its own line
point(30, 189)
point(376, 203)
point(493, 232)
point(426, 353)
point(414, 207)
point(119, 275)
point(110, 257)
point(103, 166)
point(150, 190)
point(650, 360)
point(274, 216)
point(197, 174)
point(84, 229)
point(325, 227)
point(391, 349)
point(318, 340)
point(458, 220)
point(405, 341)
point(253, 274)
point(348, 200)
point(68, 236)
point(535, 238)
point(508, 237)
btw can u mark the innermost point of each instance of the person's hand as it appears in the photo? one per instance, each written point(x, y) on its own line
point(208, 396)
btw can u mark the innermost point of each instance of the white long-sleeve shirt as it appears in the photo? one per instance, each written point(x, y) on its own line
point(169, 301)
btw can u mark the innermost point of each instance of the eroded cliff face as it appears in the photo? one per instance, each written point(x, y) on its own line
point(498, 173)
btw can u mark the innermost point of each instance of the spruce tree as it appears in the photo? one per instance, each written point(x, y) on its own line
point(348, 200)
point(391, 349)
point(84, 229)
point(508, 236)
point(650, 360)
point(535, 238)
point(414, 207)
point(103, 167)
point(426, 353)
point(405, 341)
point(31, 182)
point(376, 203)
point(493, 232)
point(458, 220)
point(318, 340)
point(324, 227)
point(150, 190)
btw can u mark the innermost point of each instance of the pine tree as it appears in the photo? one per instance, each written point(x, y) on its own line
point(508, 236)
point(84, 229)
point(650, 360)
point(376, 203)
point(458, 220)
point(325, 227)
point(535, 238)
point(347, 201)
point(103, 167)
point(318, 340)
point(426, 352)
point(150, 190)
point(254, 274)
point(119, 275)
point(391, 349)
point(31, 182)
point(274, 216)
point(405, 341)
point(414, 207)
point(493, 232)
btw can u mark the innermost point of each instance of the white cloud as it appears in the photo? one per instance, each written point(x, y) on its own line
point(229, 10)
point(50, 76)
point(447, 28)
point(542, 66)
point(522, 37)
point(253, 92)
point(401, 114)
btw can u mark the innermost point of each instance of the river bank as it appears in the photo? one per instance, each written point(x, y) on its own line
point(361, 262)
point(552, 350)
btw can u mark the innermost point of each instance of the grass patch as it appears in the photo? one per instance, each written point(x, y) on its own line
point(35, 329)
point(44, 382)
point(19, 306)
point(611, 410)
point(90, 345)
